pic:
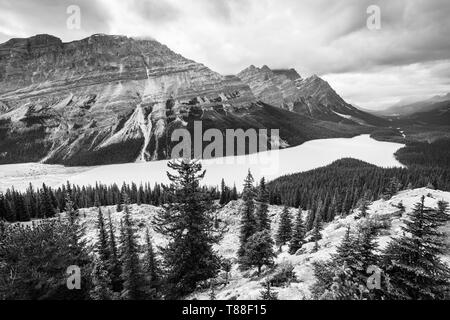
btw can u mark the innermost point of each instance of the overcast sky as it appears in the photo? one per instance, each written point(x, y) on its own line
point(407, 58)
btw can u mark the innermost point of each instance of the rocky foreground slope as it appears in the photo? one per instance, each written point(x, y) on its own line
point(113, 99)
point(247, 285)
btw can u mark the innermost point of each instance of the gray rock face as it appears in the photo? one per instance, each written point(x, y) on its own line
point(312, 96)
point(75, 100)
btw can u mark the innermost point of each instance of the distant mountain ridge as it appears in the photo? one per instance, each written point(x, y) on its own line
point(409, 108)
point(431, 111)
point(313, 96)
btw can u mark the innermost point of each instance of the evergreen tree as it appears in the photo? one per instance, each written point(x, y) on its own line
point(310, 220)
point(248, 221)
point(412, 261)
point(34, 261)
point(212, 292)
point(101, 282)
point(298, 236)
point(443, 210)
point(258, 251)
point(345, 277)
point(119, 204)
point(46, 209)
point(131, 271)
point(363, 208)
point(367, 247)
point(316, 233)
point(346, 252)
point(223, 193)
point(151, 267)
point(114, 262)
point(226, 267)
point(234, 193)
point(21, 213)
point(102, 246)
point(392, 188)
point(5, 211)
point(71, 212)
point(284, 233)
point(262, 216)
point(343, 285)
point(189, 225)
point(267, 293)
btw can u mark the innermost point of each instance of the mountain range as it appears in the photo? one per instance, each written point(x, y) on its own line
point(114, 99)
point(429, 111)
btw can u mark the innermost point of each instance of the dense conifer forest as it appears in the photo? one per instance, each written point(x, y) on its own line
point(45, 202)
point(342, 186)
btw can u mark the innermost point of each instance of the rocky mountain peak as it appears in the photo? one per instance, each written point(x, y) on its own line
point(291, 74)
point(312, 96)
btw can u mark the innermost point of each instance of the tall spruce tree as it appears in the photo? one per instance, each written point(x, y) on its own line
point(258, 251)
point(19, 206)
point(363, 208)
point(188, 223)
point(310, 219)
point(132, 276)
point(392, 188)
point(234, 193)
point(248, 220)
point(102, 245)
point(344, 276)
point(367, 247)
point(316, 232)
point(46, 209)
point(443, 211)
point(262, 211)
point(223, 193)
point(413, 261)
point(346, 252)
point(71, 212)
point(284, 233)
point(267, 293)
point(114, 266)
point(298, 235)
point(151, 267)
point(101, 282)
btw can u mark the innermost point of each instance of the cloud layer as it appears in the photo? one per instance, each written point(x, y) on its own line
point(409, 55)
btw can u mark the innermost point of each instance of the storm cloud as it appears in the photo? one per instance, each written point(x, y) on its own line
point(409, 54)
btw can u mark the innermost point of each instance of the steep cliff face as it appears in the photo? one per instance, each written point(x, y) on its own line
point(103, 96)
point(312, 96)
point(273, 88)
